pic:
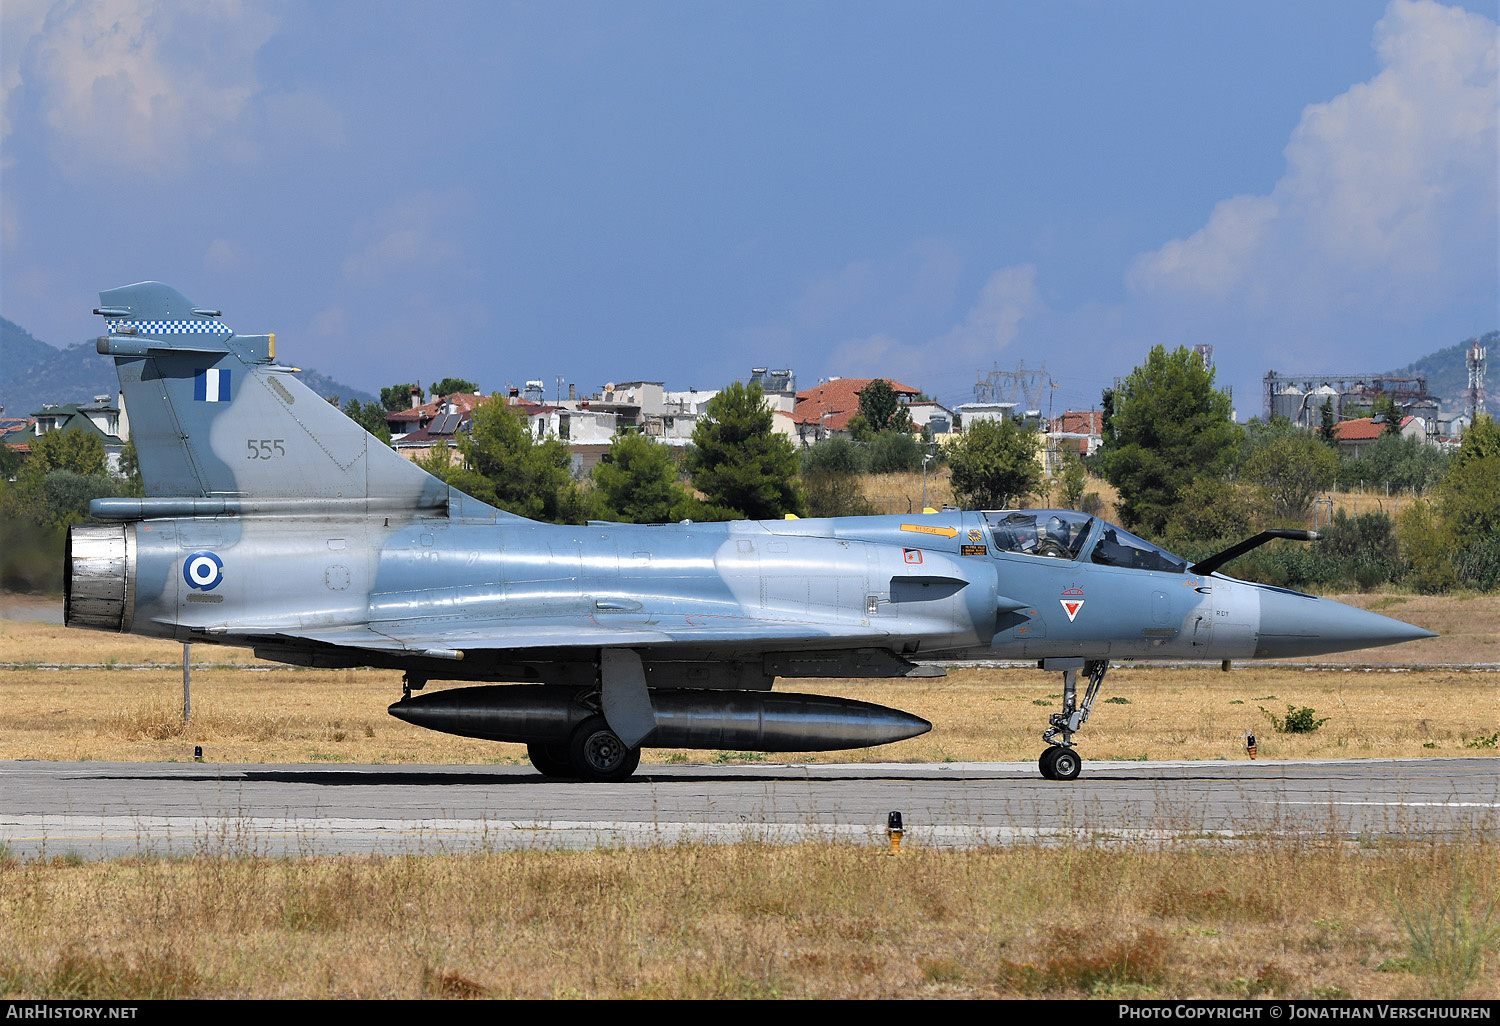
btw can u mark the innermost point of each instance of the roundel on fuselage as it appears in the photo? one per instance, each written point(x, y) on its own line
point(203, 571)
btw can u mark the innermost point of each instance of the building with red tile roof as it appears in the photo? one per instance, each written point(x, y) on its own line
point(1356, 435)
point(827, 408)
point(1079, 422)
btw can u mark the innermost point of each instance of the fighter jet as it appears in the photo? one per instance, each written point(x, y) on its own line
point(274, 522)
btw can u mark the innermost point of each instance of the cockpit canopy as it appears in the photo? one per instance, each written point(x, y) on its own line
point(1059, 533)
point(1067, 534)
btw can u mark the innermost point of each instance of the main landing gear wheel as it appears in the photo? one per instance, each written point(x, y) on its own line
point(1059, 763)
point(550, 760)
point(597, 753)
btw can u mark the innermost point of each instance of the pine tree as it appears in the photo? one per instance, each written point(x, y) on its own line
point(1167, 427)
point(739, 462)
point(636, 481)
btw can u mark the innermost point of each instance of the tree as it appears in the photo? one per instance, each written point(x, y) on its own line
point(450, 386)
point(63, 473)
point(11, 461)
point(636, 481)
point(77, 451)
point(1426, 545)
point(834, 494)
point(397, 397)
point(834, 454)
point(1107, 413)
point(1073, 478)
point(506, 467)
point(1210, 510)
point(1404, 463)
point(369, 416)
point(1387, 412)
point(882, 409)
point(1166, 427)
point(1290, 467)
point(1469, 496)
point(739, 462)
point(894, 452)
point(66, 495)
point(994, 463)
point(1327, 425)
point(831, 472)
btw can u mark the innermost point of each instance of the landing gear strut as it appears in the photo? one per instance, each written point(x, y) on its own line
point(411, 682)
point(1060, 761)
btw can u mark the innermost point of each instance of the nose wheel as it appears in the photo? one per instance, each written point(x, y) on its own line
point(1060, 761)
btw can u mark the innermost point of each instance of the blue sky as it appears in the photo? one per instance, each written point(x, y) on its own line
point(681, 191)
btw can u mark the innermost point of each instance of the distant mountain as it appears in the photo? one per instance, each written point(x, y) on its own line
point(329, 388)
point(19, 349)
point(33, 372)
point(1447, 372)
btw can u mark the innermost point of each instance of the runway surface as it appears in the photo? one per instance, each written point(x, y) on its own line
point(108, 810)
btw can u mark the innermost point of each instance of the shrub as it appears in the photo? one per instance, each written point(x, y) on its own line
point(834, 454)
point(1296, 721)
point(894, 452)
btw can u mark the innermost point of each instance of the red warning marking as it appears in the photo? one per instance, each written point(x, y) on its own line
point(1071, 607)
point(912, 555)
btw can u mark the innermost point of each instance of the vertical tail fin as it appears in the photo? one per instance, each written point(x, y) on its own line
point(213, 416)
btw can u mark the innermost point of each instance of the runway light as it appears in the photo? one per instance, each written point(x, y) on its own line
point(1250, 745)
point(197, 753)
point(894, 830)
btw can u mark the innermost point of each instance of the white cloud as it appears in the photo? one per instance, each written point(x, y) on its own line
point(331, 321)
point(1389, 200)
point(907, 292)
point(222, 255)
point(20, 21)
point(1008, 297)
point(149, 86)
point(413, 235)
point(915, 283)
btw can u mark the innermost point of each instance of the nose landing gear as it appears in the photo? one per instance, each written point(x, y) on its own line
point(1060, 761)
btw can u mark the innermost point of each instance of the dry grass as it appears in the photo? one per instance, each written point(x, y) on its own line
point(24, 639)
point(902, 493)
point(1308, 918)
point(980, 715)
point(283, 714)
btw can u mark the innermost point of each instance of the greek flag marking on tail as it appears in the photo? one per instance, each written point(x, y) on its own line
point(212, 385)
point(174, 327)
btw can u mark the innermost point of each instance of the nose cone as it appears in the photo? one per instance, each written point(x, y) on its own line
point(1301, 625)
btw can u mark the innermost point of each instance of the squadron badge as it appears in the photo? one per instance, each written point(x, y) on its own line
point(1072, 602)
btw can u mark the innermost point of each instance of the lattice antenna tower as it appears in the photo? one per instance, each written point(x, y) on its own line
point(1474, 397)
point(1012, 386)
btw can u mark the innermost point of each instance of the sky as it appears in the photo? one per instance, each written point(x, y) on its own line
point(681, 191)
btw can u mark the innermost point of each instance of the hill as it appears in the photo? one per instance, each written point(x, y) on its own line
point(33, 372)
point(1447, 371)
